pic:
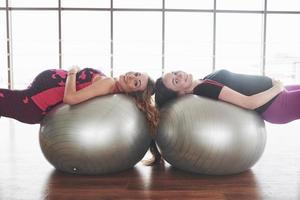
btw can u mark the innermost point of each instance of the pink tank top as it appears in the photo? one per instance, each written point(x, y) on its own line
point(53, 96)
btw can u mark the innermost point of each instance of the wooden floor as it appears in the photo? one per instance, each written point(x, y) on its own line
point(26, 175)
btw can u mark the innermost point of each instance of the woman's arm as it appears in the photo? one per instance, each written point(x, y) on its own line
point(70, 86)
point(250, 102)
point(100, 87)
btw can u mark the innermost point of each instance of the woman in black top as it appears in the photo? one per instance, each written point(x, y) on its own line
point(268, 97)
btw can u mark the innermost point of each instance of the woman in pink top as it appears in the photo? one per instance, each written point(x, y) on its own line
point(54, 86)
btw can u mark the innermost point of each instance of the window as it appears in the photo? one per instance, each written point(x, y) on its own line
point(188, 42)
point(189, 4)
point(3, 50)
point(2, 3)
point(287, 5)
point(240, 5)
point(86, 3)
point(137, 42)
point(138, 35)
point(33, 3)
point(137, 3)
point(86, 40)
point(35, 44)
point(239, 42)
point(283, 44)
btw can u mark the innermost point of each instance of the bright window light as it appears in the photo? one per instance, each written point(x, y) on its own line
point(283, 44)
point(137, 3)
point(2, 3)
point(33, 3)
point(86, 3)
point(34, 44)
point(86, 40)
point(240, 5)
point(3, 51)
point(137, 42)
point(189, 4)
point(239, 42)
point(189, 42)
point(153, 41)
point(286, 5)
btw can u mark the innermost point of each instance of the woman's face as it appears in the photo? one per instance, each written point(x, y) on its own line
point(133, 81)
point(178, 81)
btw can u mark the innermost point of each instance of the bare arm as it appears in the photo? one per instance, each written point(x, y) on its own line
point(100, 87)
point(250, 102)
point(70, 86)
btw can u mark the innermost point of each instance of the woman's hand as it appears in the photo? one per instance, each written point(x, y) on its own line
point(254, 101)
point(278, 84)
point(74, 69)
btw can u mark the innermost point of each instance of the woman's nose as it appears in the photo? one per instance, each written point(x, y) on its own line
point(179, 75)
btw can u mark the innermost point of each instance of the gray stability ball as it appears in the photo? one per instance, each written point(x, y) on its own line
point(211, 137)
point(99, 136)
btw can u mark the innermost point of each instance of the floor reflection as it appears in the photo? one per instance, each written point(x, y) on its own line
point(150, 182)
point(69, 186)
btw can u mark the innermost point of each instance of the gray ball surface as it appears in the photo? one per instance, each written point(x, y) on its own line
point(99, 136)
point(206, 136)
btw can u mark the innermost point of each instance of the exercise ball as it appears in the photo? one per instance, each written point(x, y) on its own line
point(102, 135)
point(211, 137)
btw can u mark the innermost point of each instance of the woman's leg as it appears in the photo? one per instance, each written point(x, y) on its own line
point(285, 108)
point(18, 105)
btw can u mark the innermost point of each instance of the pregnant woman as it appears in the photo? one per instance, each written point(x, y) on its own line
point(274, 102)
point(55, 86)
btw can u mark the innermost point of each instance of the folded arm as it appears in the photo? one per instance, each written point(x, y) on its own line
point(100, 87)
point(250, 102)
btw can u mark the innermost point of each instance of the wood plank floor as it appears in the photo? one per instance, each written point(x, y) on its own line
point(26, 175)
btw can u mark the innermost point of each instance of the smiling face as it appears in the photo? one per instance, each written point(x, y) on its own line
point(133, 81)
point(178, 81)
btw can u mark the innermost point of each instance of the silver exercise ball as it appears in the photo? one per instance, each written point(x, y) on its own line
point(102, 135)
point(206, 136)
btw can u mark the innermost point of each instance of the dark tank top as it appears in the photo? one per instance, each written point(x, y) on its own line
point(244, 84)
